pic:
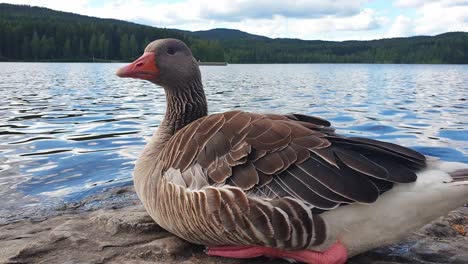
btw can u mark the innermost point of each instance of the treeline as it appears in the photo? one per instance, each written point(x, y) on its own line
point(445, 48)
point(242, 47)
point(40, 34)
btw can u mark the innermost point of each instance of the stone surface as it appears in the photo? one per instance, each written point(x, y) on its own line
point(114, 228)
point(438, 242)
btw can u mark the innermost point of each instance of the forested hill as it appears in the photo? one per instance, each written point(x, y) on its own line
point(445, 48)
point(41, 34)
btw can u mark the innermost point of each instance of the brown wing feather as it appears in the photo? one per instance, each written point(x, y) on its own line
point(248, 150)
point(296, 164)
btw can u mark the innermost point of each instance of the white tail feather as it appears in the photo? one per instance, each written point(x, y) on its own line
point(459, 183)
point(401, 210)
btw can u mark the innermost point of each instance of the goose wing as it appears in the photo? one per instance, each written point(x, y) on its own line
point(290, 168)
point(290, 155)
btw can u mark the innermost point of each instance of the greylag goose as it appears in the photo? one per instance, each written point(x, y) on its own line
point(287, 186)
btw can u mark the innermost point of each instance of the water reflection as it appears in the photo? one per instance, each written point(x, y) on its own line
point(71, 129)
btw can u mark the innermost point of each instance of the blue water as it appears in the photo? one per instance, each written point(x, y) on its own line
point(68, 130)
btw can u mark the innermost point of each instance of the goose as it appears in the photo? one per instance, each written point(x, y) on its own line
point(284, 186)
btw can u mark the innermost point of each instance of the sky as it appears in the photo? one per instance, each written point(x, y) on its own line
point(304, 19)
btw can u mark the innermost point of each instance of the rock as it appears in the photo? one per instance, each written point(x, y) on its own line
point(114, 228)
point(437, 252)
point(459, 259)
point(137, 221)
point(439, 230)
point(170, 247)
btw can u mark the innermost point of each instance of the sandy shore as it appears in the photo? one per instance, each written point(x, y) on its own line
point(113, 227)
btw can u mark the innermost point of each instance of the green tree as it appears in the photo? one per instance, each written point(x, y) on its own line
point(124, 47)
point(82, 52)
point(145, 43)
point(35, 46)
point(26, 48)
point(93, 46)
point(103, 45)
point(133, 46)
point(44, 47)
point(51, 52)
point(67, 49)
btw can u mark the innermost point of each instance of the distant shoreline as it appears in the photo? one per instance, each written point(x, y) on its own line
point(230, 63)
point(201, 63)
point(212, 63)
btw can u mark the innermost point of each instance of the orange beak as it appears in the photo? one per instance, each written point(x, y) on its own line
point(143, 68)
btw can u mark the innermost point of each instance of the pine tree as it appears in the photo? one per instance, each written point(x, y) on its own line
point(67, 50)
point(82, 52)
point(93, 46)
point(145, 43)
point(103, 45)
point(133, 47)
point(26, 48)
point(44, 47)
point(124, 48)
point(35, 46)
point(51, 50)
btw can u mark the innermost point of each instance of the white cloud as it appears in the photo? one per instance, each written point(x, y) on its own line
point(421, 3)
point(432, 17)
point(236, 10)
point(69, 6)
point(442, 16)
point(297, 18)
point(365, 20)
point(412, 3)
point(307, 19)
point(401, 27)
point(280, 26)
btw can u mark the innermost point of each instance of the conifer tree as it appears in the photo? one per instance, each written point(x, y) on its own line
point(35, 46)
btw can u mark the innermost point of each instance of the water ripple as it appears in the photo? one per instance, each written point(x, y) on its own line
point(68, 130)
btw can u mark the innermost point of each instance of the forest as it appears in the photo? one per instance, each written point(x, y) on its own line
point(41, 34)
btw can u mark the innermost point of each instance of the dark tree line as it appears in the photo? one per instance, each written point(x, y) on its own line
point(40, 34)
point(445, 48)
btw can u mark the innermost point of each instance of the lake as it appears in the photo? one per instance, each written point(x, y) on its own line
point(68, 130)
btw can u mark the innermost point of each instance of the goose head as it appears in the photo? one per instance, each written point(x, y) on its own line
point(166, 62)
point(169, 63)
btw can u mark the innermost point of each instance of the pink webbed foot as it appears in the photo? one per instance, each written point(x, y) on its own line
point(336, 254)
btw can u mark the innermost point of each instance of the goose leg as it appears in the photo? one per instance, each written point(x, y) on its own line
point(336, 254)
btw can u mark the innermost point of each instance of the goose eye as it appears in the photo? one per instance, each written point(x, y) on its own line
point(170, 51)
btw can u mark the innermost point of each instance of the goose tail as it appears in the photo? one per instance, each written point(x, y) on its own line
point(457, 173)
point(441, 187)
point(459, 177)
